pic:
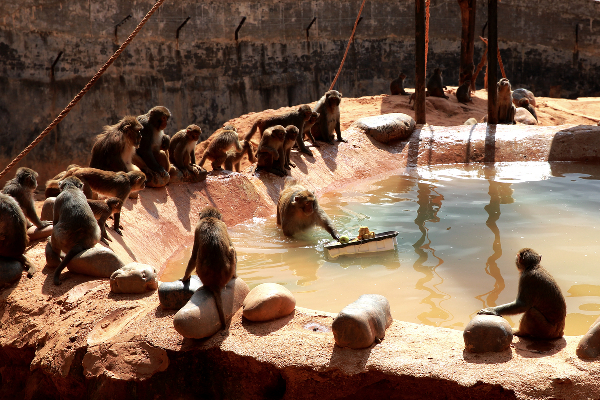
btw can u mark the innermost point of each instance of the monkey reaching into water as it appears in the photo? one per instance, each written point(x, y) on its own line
point(298, 210)
point(21, 188)
point(213, 256)
point(539, 299)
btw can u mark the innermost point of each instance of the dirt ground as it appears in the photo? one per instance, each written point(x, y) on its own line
point(550, 111)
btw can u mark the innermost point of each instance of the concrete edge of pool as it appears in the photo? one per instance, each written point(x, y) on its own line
point(45, 336)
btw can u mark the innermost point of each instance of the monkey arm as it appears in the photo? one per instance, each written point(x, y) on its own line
point(268, 149)
point(29, 211)
point(516, 307)
point(192, 262)
point(338, 131)
point(326, 223)
point(148, 157)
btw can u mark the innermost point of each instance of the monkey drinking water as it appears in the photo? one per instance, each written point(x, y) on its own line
point(213, 256)
point(539, 299)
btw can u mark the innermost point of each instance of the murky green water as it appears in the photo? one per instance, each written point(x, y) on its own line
point(459, 230)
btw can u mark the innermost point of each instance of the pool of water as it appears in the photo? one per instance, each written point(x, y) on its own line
point(459, 230)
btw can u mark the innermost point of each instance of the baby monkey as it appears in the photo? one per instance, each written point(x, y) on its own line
point(538, 297)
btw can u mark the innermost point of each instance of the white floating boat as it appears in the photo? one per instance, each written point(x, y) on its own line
point(381, 242)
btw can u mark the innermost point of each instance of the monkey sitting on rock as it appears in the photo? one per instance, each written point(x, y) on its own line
point(181, 150)
point(21, 188)
point(13, 232)
point(270, 150)
point(463, 93)
point(328, 121)
point(223, 140)
point(539, 299)
point(298, 210)
point(147, 155)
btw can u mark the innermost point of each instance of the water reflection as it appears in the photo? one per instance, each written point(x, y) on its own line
point(430, 202)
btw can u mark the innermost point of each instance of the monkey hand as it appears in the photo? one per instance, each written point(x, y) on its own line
point(487, 311)
point(57, 281)
point(45, 224)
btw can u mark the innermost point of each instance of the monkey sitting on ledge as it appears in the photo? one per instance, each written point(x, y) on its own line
point(538, 297)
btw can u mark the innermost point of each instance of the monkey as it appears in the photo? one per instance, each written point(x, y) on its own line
point(234, 159)
point(308, 126)
point(518, 94)
point(397, 85)
point(213, 256)
point(298, 210)
point(13, 232)
point(223, 140)
point(181, 150)
point(506, 108)
point(115, 146)
point(52, 189)
point(154, 122)
point(162, 154)
point(291, 133)
point(296, 117)
point(102, 210)
point(108, 183)
point(270, 150)
point(463, 93)
point(328, 121)
point(538, 297)
point(524, 102)
point(75, 228)
point(435, 84)
point(21, 188)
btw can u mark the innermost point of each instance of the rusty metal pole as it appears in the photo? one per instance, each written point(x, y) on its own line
point(492, 61)
point(420, 61)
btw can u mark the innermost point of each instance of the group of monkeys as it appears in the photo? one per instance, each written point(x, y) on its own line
point(508, 100)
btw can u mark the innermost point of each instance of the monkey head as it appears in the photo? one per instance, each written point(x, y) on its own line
point(193, 132)
point(71, 182)
point(291, 132)
point(165, 142)
point(228, 127)
point(333, 98)
point(527, 258)
point(27, 177)
point(503, 86)
point(210, 212)
point(467, 82)
point(437, 71)
point(158, 117)
point(402, 75)
point(137, 180)
point(524, 102)
point(305, 111)
point(305, 201)
point(279, 132)
point(131, 129)
point(114, 204)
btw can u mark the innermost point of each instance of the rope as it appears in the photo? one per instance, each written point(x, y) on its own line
point(82, 92)
point(427, 2)
point(347, 47)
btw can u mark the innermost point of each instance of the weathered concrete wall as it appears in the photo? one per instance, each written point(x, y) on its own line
point(206, 77)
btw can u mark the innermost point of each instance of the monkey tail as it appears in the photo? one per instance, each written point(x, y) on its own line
point(251, 156)
point(68, 257)
point(217, 294)
point(204, 156)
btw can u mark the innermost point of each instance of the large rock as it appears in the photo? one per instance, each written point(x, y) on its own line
point(199, 318)
point(10, 271)
point(98, 261)
point(589, 345)
point(133, 278)
point(174, 295)
point(156, 180)
point(387, 128)
point(487, 333)
point(47, 213)
point(523, 116)
point(363, 322)
point(268, 301)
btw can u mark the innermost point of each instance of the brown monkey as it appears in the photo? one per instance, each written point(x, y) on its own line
point(506, 108)
point(108, 183)
point(463, 93)
point(102, 210)
point(13, 232)
point(223, 141)
point(213, 256)
point(397, 85)
point(291, 133)
point(296, 117)
point(52, 189)
point(328, 121)
point(298, 210)
point(524, 102)
point(308, 126)
point(75, 228)
point(181, 150)
point(115, 146)
point(154, 122)
point(270, 150)
point(162, 154)
point(435, 84)
point(234, 159)
point(21, 188)
point(538, 297)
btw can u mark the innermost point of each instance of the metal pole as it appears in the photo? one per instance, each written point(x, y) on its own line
point(420, 61)
point(492, 61)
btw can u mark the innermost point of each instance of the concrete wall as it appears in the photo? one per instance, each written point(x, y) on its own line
point(206, 77)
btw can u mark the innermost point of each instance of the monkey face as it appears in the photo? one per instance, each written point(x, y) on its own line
point(194, 134)
point(306, 202)
point(333, 98)
point(70, 182)
point(163, 122)
point(503, 85)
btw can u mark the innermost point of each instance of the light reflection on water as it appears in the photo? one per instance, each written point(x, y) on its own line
point(459, 230)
